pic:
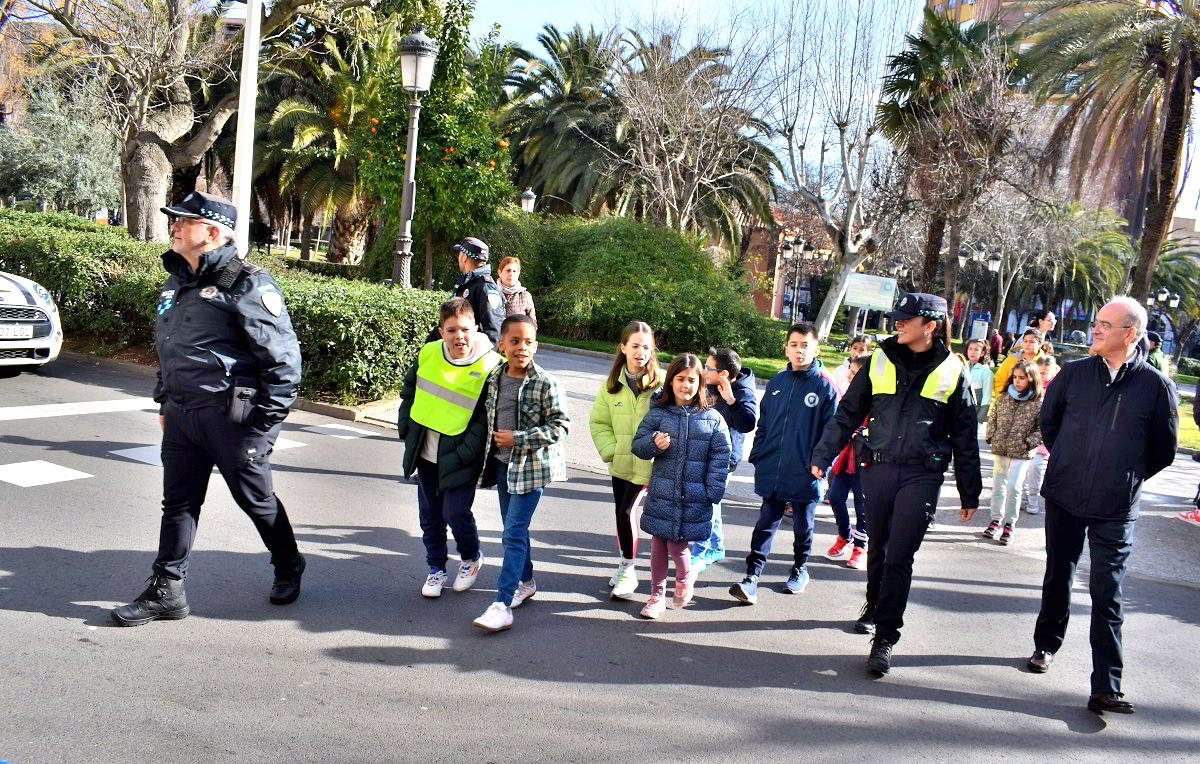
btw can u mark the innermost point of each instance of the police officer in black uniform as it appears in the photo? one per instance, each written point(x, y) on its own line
point(477, 286)
point(229, 366)
point(916, 400)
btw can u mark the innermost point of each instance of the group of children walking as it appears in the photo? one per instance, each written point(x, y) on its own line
point(473, 415)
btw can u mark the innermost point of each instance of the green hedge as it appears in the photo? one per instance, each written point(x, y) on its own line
point(1189, 366)
point(356, 338)
point(323, 268)
point(590, 278)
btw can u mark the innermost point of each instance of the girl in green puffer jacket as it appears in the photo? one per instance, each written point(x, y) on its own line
point(621, 403)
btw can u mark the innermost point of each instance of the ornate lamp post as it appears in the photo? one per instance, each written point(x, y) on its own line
point(418, 54)
point(528, 199)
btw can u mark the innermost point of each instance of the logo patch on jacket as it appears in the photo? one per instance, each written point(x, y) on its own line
point(208, 292)
point(811, 400)
point(273, 303)
point(776, 392)
point(165, 301)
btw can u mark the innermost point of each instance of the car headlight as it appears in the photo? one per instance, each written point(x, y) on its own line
point(45, 297)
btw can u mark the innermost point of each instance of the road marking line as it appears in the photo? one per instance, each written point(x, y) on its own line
point(152, 455)
point(11, 413)
point(35, 473)
point(340, 431)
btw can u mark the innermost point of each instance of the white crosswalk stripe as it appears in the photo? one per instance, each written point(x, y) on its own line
point(13, 413)
point(38, 472)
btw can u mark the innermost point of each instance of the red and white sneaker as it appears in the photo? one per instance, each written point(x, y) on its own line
point(858, 558)
point(1192, 516)
point(840, 548)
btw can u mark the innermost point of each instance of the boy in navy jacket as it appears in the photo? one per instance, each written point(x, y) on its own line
point(798, 403)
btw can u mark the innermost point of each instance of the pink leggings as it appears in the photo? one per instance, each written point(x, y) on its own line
point(680, 551)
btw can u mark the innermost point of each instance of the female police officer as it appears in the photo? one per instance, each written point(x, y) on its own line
point(917, 404)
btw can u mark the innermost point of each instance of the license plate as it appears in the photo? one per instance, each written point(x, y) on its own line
point(17, 332)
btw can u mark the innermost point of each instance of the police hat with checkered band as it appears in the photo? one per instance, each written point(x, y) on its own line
point(915, 304)
point(476, 249)
point(202, 206)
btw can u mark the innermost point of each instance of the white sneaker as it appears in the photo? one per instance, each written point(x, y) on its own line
point(434, 584)
point(468, 571)
point(497, 617)
point(620, 567)
point(626, 583)
point(526, 590)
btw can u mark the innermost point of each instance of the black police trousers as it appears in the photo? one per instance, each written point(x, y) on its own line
point(194, 440)
point(1109, 545)
point(901, 501)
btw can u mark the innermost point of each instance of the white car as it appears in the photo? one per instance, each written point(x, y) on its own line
point(30, 327)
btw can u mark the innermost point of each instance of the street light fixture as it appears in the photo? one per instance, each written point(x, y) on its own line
point(1163, 295)
point(993, 262)
point(962, 259)
point(418, 54)
point(1174, 301)
point(528, 199)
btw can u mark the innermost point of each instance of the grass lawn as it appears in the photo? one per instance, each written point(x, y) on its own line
point(1189, 435)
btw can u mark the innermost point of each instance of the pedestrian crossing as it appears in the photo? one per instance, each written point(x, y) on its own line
point(39, 472)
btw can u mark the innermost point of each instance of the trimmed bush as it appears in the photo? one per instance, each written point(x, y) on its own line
point(322, 268)
point(356, 338)
point(1189, 366)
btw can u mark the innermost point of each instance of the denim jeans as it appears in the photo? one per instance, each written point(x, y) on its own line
point(1008, 483)
point(712, 549)
point(841, 485)
point(516, 509)
point(769, 517)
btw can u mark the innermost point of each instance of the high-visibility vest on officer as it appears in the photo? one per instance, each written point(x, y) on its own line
point(920, 417)
point(229, 368)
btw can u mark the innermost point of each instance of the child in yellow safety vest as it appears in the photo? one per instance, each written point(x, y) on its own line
point(442, 421)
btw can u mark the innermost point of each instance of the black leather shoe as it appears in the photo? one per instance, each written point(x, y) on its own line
point(880, 660)
point(1039, 662)
point(163, 599)
point(287, 581)
point(1111, 702)
point(866, 621)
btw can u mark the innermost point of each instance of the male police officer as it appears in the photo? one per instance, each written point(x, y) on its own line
point(229, 365)
point(917, 400)
point(477, 287)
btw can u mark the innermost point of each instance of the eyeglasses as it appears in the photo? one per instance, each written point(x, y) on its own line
point(711, 368)
point(1104, 326)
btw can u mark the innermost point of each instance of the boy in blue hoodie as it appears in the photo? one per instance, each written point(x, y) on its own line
point(799, 402)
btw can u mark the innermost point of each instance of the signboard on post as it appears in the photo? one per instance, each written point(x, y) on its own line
point(870, 292)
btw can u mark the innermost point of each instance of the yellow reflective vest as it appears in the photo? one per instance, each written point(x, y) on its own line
point(938, 386)
point(446, 394)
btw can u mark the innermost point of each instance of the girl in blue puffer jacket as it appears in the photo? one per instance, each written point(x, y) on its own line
point(689, 443)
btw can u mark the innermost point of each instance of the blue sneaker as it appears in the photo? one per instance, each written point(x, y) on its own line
point(746, 590)
point(797, 581)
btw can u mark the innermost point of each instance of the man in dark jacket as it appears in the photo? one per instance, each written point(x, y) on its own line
point(917, 401)
point(477, 286)
point(731, 388)
point(229, 366)
point(1110, 421)
point(799, 401)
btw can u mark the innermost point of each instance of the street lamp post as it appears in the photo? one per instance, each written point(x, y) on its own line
point(418, 54)
point(243, 144)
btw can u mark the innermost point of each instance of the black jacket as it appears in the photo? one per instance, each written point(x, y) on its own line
point(460, 457)
point(797, 406)
point(480, 289)
point(908, 427)
point(1107, 436)
point(207, 337)
point(741, 416)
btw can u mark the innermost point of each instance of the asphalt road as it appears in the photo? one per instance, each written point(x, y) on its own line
point(361, 668)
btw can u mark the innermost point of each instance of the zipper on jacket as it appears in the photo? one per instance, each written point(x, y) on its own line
point(685, 431)
point(786, 415)
point(1116, 408)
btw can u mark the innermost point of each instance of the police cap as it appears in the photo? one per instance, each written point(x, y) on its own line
point(476, 249)
point(916, 304)
point(204, 206)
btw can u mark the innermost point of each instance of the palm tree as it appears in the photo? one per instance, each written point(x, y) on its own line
point(1132, 67)
point(335, 87)
point(920, 86)
point(563, 114)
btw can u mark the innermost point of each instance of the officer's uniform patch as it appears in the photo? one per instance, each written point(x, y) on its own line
point(208, 292)
point(495, 301)
point(273, 303)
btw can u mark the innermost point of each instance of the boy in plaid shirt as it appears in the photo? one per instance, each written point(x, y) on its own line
point(527, 418)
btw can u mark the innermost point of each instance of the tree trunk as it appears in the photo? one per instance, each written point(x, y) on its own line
point(146, 178)
point(306, 237)
point(429, 259)
point(934, 236)
point(349, 239)
point(950, 274)
point(851, 320)
point(837, 291)
point(183, 182)
point(1160, 204)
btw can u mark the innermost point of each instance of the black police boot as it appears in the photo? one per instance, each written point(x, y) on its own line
point(880, 660)
point(287, 580)
point(163, 599)
point(866, 621)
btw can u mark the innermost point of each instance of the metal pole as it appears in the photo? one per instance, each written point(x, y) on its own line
point(795, 288)
point(243, 152)
point(402, 262)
